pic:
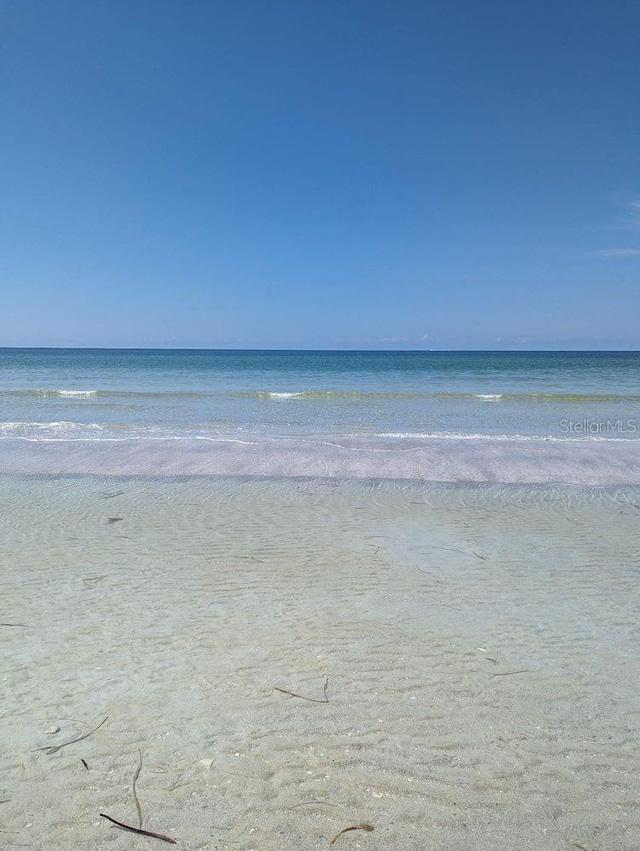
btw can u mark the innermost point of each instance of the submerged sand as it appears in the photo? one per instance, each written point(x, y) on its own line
point(480, 644)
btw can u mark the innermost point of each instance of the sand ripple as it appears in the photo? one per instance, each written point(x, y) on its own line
point(480, 644)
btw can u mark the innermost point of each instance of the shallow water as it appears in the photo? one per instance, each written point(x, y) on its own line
point(431, 416)
point(142, 393)
point(480, 643)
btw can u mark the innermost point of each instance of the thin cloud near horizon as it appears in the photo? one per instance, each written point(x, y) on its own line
point(614, 252)
point(632, 223)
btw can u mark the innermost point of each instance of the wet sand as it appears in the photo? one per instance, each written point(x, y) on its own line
point(480, 645)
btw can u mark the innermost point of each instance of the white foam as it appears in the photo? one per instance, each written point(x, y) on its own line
point(489, 397)
point(283, 395)
point(49, 431)
point(459, 435)
point(62, 424)
point(68, 393)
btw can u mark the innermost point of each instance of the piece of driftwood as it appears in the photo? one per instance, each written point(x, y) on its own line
point(363, 826)
point(325, 699)
point(135, 795)
point(139, 831)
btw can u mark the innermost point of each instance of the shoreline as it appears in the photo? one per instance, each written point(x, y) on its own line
point(597, 463)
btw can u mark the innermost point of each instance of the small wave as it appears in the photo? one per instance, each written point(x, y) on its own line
point(51, 430)
point(489, 437)
point(330, 396)
point(273, 395)
point(15, 426)
point(67, 393)
point(334, 395)
point(58, 393)
point(454, 435)
point(561, 397)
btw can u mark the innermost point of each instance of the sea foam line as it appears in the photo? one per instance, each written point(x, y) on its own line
point(73, 432)
point(67, 393)
point(60, 424)
point(564, 397)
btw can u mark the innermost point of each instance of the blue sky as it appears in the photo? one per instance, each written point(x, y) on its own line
point(320, 173)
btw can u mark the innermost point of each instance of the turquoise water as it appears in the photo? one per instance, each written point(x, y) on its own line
point(353, 400)
point(184, 533)
point(472, 632)
point(179, 393)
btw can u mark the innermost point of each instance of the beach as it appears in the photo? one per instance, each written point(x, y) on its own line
point(319, 426)
point(251, 600)
point(477, 643)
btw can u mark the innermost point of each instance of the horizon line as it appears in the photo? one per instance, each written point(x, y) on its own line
point(321, 350)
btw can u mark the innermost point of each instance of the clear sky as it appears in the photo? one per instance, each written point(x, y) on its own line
point(320, 173)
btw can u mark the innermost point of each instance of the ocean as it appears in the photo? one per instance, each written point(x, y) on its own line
point(441, 416)
point(249, 600)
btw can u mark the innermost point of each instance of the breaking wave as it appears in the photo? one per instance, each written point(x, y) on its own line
point(563, 397)
point(74, 394)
